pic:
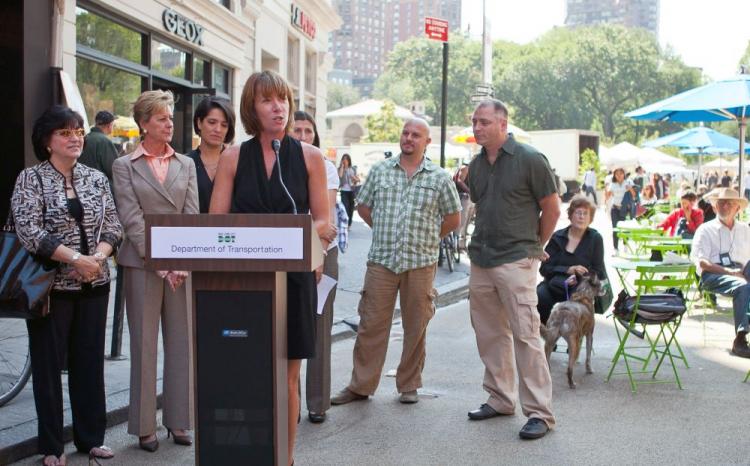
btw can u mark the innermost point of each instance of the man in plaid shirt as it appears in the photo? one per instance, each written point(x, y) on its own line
point(410, 203)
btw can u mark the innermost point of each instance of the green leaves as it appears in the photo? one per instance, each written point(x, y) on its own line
point(383, 126)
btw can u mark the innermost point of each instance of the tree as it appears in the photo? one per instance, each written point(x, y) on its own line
point(745, 60)
point(340, 96)
point(383, 126)
point(589, 159)
point(414, 73)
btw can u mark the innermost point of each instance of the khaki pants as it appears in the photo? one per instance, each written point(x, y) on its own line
point(376, 317)
point(505, 320)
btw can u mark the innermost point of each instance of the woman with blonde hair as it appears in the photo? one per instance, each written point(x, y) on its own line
point(154, 179)
point(249, 180)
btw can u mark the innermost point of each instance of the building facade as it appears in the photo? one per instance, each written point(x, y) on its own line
point(631, 13)
point(371, 29)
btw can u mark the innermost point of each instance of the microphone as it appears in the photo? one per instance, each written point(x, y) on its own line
point(276, 145)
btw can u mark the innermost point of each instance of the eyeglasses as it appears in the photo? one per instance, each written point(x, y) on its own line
point(66, 133)
point(581, 213)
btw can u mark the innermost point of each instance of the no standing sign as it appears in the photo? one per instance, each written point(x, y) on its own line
point(436, 29)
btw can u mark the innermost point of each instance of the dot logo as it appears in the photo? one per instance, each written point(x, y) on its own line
point(226, 238)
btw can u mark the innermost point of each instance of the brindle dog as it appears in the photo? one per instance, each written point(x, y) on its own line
point(572, 320)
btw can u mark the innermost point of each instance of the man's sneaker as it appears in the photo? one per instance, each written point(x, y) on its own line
point(346, 396)
point(739, 347)
point(409, 397)
point(535, 428)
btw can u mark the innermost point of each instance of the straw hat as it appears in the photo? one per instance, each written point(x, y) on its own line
point(727, 194)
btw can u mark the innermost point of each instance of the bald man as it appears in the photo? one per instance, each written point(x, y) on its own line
point(410, 203)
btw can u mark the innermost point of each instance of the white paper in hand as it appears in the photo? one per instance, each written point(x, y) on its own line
point(325, 286)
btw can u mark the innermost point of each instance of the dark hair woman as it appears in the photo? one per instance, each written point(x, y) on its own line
point(318, 379)
point(349, 181)
point(213, 121)
point(248, 181)
point(63, 211)
point(573, 251)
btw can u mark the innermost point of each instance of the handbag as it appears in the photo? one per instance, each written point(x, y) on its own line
point(602, 303)
point(652, 308)
point(26, 280)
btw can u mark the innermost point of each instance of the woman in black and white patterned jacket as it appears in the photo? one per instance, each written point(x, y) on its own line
point(64, 211)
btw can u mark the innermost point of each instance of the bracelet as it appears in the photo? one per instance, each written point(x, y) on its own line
point(75, 257)
point(100, 255)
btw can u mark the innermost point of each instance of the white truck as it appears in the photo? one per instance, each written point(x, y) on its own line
point(563, 148)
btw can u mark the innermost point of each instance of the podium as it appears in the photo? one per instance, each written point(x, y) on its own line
point(238, 301)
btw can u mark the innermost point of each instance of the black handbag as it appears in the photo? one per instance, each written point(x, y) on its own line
point(26, 280)
point(652, 308)
point(602, 303)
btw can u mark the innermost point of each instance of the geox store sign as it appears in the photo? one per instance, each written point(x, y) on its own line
point(182, 27)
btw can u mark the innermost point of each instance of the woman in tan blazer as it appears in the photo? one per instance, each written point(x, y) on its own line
point(154, 179)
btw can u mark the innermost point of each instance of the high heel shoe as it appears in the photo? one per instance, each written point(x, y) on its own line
point(180, 439)
point(150, 446)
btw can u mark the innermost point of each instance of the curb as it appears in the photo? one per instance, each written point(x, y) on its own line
point(448, 294)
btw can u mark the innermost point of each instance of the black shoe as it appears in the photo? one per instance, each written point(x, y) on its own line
point(150, 446)
point(535, 428)
point(484, 412)
point(316, 418)
point(739, 347)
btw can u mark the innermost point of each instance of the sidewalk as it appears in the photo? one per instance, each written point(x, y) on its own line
point(18, 428)
point(598, 423)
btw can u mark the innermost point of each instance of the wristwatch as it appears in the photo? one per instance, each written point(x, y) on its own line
point(75, 257)
point(99, 255)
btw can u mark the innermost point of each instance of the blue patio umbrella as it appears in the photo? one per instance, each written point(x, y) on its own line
point(728, 99)
point(698, 141)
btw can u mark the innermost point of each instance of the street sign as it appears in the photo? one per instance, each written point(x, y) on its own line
point(436, 29)
point(486, 89)
point(476, 98)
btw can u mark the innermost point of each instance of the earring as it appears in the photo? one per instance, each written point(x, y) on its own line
point(145, 131)
point(49, 150)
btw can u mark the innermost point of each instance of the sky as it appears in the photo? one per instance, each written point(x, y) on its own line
point(708, 34)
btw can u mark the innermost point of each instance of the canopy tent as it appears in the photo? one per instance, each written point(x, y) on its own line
point(625, 154)
point(728, 99)
point(724, 164)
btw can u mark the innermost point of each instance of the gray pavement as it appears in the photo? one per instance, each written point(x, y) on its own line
point(598, 423)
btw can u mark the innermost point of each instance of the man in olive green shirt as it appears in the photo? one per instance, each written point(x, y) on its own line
point(517, 207)
point(99, 151)
point(410, 203)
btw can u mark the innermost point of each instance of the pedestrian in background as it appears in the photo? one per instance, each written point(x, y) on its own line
point(156, 180)
point(63, 211)
point(517, 207)
point(615, 193)
point(349, 181)
point(410, 203)
point(99, 151)
point(213, 121)
point(318, 378)
point(589, 184)
point(467, 207)
point(249, 181)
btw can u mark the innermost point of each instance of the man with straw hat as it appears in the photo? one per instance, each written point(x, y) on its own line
point(721, 251)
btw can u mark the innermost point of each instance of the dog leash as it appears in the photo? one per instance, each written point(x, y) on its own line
point(567, 295)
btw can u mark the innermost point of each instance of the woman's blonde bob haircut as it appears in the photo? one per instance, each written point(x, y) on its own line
point(149, 103)
point(266, 83)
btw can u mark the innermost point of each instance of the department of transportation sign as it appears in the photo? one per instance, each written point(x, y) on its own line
point(436, 29)
point(226, 243)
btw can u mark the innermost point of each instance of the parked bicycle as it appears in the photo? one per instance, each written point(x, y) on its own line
point(15, 363)
point(449, 251)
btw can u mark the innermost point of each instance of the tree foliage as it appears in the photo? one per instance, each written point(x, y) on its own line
point(745, 59)
point(584, 78)
point(340, 96)
point(589, 159)
point(383, 126)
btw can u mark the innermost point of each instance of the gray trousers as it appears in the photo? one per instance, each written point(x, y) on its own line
point(318, 379)
point(737, 288)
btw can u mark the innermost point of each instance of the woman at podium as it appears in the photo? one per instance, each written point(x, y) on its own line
point(154, 179)
point(273, 173)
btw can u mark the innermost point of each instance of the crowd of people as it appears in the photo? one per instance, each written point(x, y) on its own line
point(82, 204)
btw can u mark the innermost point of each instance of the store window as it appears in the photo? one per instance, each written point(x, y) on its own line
point(101, 34)
point(201, 71)
point(311, 72)
point(106, 88)
point(225, 3)
point(221, 80)
point(168, 59)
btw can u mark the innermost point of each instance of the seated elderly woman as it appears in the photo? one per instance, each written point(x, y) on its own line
point(685, 220)
point(573, 251)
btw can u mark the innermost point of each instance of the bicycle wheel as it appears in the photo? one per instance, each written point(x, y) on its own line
point(15, 361)
point(449, 254)
point(441, 253)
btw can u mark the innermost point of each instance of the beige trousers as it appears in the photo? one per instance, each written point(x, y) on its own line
point(505, 320)
point(149, 301)
point(376, 317)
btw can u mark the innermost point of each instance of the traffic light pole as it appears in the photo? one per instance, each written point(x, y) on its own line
point(444, 105)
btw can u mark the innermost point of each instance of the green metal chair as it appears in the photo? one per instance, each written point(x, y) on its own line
point(664, 345)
